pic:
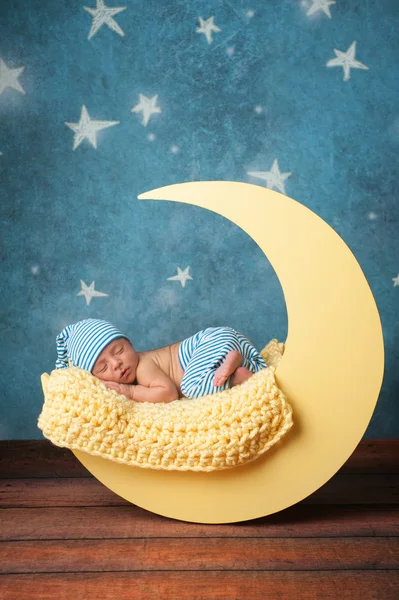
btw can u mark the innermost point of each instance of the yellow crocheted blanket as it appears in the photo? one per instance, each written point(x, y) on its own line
point(218, 431)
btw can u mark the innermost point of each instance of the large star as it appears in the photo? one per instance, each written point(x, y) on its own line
point(207, 27)
point(86, 128)
point(395, 280)
point(89, 292)
point(103, 16)
point(147, 107)
point(8, 78)
point(323, 5)
point(182, 276)
point(346, 60)
point(273, 177)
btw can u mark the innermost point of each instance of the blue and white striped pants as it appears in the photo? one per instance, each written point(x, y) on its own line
point(202, 354)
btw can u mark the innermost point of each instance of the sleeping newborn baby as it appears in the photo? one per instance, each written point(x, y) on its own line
point(212, 360)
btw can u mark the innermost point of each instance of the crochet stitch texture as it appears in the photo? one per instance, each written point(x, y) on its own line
point(214, 432)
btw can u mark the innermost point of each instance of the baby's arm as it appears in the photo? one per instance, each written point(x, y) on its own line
point(157, 386)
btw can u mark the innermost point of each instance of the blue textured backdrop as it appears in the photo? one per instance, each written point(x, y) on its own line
point(186, 99)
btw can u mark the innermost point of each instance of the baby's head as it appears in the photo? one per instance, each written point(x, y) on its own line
point(98, 347)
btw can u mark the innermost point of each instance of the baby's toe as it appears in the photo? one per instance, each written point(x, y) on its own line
point(219, 380)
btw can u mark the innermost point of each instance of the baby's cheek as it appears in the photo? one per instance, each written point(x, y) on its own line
point(101, 377)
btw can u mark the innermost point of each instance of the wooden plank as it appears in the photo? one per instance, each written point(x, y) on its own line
point(374, 456)
point(194, 585)
point(38, 458)
point(301, 520)
point(41, 458)
point(343, 488)
point(209, 554)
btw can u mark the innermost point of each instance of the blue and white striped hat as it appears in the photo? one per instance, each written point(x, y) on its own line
point(83, 342)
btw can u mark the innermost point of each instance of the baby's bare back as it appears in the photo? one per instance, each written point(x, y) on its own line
point(167, 359)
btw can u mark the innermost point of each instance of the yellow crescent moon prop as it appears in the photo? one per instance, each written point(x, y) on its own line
point(331, 370)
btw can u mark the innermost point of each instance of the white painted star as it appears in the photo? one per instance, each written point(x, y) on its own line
point(8, 78)
point(273, 177)
point(346, 60)
point(147, 107)
point(103, 15)
point(182, 276)
point(207, 27)
point(323, 5)
point(87, 128)
point(395, 281)
point(89, 292)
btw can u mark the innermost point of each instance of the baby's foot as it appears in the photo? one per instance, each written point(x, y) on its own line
point(232, 361)
point(240, 375)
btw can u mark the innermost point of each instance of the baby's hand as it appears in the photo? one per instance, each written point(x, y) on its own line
point(121, 388)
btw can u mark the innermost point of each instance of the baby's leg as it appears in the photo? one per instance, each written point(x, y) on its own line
point(232, 361)
point(248, 357)
point(206, 355)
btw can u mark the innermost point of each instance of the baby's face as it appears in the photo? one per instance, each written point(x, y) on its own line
point(118, 356)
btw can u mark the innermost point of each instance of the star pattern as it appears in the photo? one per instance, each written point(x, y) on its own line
point(181, 276)
point(147, 106)
point(273, 178)
point(87, 128)
point(8, 78)
point(346, 60)
point(218, 112)
point(103, 16)
point(323, 5)
point(89, 292)
point(206, 27)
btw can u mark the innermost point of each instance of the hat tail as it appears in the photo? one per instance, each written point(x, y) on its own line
point(62, 348)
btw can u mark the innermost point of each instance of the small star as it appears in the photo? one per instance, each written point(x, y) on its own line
point(323, 5)
point(182, 276)
point(230, 51)
point(89, 292)
point(258, 109)
point(250, 13)
point(273, 177)
point(8, 78)
point(372, 216)
point(346, 60)
point(103, 15)
point(147, 107)
point(174, 149)
point(395, 281)
point(87, 128)
point(151, 137)
point(34, 269)
point(207, 27)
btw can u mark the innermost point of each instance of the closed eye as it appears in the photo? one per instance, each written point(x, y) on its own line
point(104, 368)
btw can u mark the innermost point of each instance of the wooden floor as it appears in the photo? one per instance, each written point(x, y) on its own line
point(66, 536)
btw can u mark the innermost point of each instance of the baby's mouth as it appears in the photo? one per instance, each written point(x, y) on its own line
point(124, 373)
